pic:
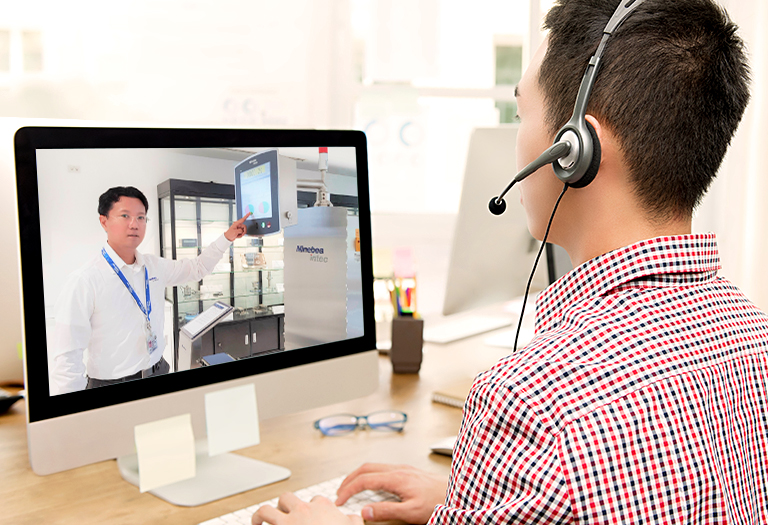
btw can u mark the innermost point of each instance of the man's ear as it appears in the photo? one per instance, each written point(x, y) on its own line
point(598, 128)
point(103, 221)
point(609, 151)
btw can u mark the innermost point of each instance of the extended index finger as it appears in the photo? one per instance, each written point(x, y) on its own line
point(243, 218)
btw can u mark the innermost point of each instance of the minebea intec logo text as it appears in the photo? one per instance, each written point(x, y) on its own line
point(315, 254)
point(309, 249)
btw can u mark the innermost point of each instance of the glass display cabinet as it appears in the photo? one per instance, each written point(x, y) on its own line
point(249, 276)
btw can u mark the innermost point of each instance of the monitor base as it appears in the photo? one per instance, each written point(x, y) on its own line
point(217, 477)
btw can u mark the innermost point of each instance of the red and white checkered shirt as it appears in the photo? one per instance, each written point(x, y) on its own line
point(643, 398)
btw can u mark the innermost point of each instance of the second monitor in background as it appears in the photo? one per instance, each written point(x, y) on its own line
point(491, 256)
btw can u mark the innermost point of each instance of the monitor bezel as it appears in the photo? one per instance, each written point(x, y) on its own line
point(40, 404)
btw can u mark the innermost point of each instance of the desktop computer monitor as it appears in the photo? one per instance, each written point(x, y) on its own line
point(61, 171)
point(492, 256)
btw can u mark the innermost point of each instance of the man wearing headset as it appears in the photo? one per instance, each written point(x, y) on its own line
point(642, 398)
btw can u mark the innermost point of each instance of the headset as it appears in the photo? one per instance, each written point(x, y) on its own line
point(575, 155)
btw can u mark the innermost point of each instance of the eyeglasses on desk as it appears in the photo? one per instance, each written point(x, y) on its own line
point(383, 420)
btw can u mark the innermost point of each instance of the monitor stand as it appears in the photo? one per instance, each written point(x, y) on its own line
point(217, 477)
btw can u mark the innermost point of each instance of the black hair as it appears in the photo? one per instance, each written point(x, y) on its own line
point(112, 195)
point(672, 89)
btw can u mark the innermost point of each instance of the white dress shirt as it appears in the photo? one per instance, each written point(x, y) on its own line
point(97, 315)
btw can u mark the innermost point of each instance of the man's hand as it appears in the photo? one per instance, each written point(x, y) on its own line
point(418, 491)
point(292, 511)
point(237, 229)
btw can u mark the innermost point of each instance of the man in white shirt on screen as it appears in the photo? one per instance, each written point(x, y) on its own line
point(110, 315)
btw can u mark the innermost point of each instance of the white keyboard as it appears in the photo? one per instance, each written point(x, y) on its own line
point(327, 489)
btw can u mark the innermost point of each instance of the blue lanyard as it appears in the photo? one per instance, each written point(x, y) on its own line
point(119, 273)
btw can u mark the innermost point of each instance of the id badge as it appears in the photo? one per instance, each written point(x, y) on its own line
point(151, 340)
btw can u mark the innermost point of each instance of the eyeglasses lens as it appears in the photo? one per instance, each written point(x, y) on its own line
point(392, 421)
point(337, 425)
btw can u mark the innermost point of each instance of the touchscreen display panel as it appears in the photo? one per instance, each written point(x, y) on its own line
point(257, 192)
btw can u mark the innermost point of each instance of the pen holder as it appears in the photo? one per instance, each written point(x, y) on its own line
point(407, 341)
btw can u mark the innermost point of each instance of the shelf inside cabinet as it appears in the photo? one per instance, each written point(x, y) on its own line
point(225, 298)
point(266, 248)
point(255, 271)
point(191, 251)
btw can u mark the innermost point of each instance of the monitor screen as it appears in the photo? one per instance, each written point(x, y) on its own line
point(291, 307)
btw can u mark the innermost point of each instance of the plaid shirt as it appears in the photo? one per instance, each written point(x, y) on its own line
point(643, 398)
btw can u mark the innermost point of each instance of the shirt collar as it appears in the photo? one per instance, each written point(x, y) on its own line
point(679, 259)
point(139, 260)
point(121, 263)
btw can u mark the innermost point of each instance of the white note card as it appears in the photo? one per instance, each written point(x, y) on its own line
point(166, 451)
point(231, 419)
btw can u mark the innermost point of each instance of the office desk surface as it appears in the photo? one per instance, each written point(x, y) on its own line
point(97, 494)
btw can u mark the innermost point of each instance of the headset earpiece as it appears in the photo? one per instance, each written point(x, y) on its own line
point(579, 167)
point(594, 163)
